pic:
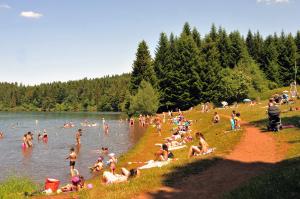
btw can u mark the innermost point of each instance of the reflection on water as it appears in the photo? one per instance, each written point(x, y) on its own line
point(48, 159)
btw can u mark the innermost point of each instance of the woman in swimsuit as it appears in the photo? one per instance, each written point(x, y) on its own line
point(163, 154)
point(202, 148)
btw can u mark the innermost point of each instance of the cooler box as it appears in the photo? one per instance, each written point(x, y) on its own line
point(52, 184)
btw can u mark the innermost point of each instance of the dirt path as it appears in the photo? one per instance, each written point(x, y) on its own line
point(255, 153)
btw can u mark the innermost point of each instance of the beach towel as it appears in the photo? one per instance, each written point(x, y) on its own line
point(209, 150)
point(153, 164)
point(288, 126)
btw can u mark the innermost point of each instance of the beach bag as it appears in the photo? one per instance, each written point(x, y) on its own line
point(52, 184)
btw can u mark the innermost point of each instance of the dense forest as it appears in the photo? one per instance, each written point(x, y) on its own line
point(186, 70)
point(101, 94)
point(189, 69)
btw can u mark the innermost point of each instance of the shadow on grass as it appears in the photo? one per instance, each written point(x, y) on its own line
point(199, 179)
point(253, 180)
point(285, 120)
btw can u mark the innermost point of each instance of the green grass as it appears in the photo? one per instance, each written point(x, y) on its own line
point(282, 181)
point(285, 176)
point(151, 179)
point(15, 187)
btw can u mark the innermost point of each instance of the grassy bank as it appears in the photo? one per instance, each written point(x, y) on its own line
point(157, 177)
point(15, 187)
point(283, 180)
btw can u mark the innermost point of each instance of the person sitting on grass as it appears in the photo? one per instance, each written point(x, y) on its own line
point(98, 165)
point(202, 148)
point(77, 184)
point(111, 178)
point(216, 118)
point(163, 154)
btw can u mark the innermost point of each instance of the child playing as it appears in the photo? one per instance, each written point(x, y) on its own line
point(237, 121)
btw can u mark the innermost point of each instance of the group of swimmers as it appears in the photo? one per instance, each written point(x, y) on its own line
point(28, 139)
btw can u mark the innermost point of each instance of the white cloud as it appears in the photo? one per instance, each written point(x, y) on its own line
point(30, 14)
point(272, 1)
point(4, 6)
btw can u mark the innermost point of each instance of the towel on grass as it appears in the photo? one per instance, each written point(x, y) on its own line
point(153, 164)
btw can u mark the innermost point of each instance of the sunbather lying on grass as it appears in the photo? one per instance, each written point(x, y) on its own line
point(110, 178)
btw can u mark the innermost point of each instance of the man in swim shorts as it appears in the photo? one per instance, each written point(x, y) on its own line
point(72, 157)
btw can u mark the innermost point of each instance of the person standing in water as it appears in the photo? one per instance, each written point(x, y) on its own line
point(77, 136)
point(29, 139)
point(45, 136)
point(106, 127)
point(72, 157)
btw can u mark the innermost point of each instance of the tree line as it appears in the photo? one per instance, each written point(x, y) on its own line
point(186, 70)
point(189, 69)
point(100, 94)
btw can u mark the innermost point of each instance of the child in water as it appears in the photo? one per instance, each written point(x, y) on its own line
point(112, 162)
point(98, 166)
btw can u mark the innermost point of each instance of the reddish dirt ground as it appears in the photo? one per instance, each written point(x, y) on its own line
point(255, 153)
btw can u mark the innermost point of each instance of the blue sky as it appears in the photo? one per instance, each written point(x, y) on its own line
point(60, 40)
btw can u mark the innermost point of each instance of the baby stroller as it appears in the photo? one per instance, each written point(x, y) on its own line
point(274, 119)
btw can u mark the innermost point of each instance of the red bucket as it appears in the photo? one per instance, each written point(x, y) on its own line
point(52, 184)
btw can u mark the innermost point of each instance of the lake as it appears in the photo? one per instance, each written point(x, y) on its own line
point(49, 159)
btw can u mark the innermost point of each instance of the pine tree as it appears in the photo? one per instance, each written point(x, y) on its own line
point(213, 33)
point(186, 29)
point(297, 41)
point(258, 48)
point(168, 98)
point(287, 58)
point(224, 48)
point(187, 91)
point(210, 71)
point(142, 68)
point(161, 54)
point(238, 50)
point(161, 66)
point(196, 37)
point(270, 61)
point(250, 44)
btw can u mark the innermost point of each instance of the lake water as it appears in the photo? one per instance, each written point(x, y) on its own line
point(48, 159)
